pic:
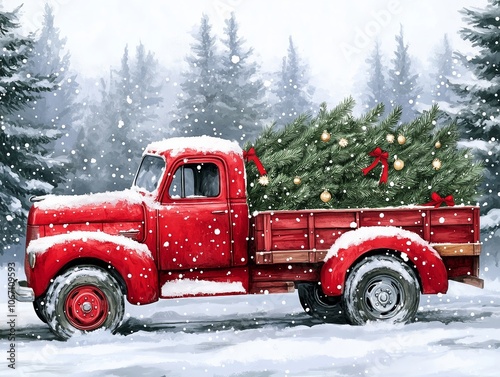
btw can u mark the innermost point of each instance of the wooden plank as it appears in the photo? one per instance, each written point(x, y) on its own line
point(452, 216)
point(285, 272)
point(295, 239)
point(334, 220)
point(384, 217)
point(456, 233)
point(477, 228)
point(325, 238)
point(290, 256)
point(310, 231)
point(265, 287)
point(459, 250)
point(267, 231)
point(426, 218)
point(290, 220)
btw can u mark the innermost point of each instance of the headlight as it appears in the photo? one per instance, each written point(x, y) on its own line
point(32, 233)
point(32, 259)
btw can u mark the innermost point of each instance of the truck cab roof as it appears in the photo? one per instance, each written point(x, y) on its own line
point(193, 145)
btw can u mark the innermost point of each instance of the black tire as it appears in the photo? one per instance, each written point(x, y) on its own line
point(318, 305)
point(83, 299)
point(39, 306)
point(381, 288)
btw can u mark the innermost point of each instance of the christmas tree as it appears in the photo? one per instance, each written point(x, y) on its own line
point(335, 160)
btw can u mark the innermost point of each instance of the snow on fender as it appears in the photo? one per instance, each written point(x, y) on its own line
point(352, 245)
point(131, 259)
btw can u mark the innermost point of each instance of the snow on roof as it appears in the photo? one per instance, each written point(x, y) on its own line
point(205, 144)
point(41, 245)
point(185, 287)
point(56, 202)
point(358, 236)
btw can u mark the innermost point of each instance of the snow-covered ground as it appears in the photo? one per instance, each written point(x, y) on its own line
point(457, 334)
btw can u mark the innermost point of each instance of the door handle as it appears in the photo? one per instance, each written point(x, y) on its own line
point(219, 212)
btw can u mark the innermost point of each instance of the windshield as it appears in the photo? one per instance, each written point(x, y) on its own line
point(149, 173)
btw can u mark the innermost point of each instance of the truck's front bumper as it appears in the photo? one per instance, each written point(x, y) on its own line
point(22, 292)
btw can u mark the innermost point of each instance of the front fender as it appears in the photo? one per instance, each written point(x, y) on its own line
point(132, 261)
point(351, 246)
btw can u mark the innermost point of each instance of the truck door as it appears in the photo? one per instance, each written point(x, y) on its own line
point(194, 218)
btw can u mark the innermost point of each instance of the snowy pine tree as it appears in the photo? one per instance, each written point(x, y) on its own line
point(26, 164)
point(377, 90)
point(59, 107)
point(479, 115)
point(199, 110)
point(242, 91)
point(146, 88)
point(404, 83)
point(118, 126)
point(292, 88)
point(444, 69)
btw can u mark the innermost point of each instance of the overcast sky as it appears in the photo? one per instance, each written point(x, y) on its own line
point(333, 36)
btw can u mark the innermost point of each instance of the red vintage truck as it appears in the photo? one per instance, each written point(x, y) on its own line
point(184, 230)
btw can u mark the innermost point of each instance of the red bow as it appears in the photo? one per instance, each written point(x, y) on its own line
point(437, 200)
point(380, 156)
point(250, 155)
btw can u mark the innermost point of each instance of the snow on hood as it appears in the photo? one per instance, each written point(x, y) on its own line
point(57, 202)
point(358, 236)
point(204, 144)
point(41, 245)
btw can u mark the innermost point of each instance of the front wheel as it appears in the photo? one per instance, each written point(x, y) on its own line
point(381, 288)
point(39, 306)
point(84, 298)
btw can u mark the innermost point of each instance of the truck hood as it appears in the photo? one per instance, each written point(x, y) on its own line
point(107, 207)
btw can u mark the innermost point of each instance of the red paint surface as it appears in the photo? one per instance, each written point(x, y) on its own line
point(212, 238)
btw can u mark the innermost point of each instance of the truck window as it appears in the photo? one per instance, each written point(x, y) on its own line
point(195, 180)
point(149, 173)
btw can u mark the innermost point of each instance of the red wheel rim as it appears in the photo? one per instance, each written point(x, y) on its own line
point(86, 307)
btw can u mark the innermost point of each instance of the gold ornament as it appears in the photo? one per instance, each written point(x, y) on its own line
point(438, 144)
point(343, 142)
point(325, 196)
point(401, 139)
point(325, 136)
point(390, 138)
point(264, 180)
point(436, 164)
point(399, 164)
point(297, 180)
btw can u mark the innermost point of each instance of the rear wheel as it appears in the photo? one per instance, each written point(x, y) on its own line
point(319, 305)
point(84, 298)
point(381, 288)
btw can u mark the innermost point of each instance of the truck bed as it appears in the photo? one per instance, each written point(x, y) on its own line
point(305, 236)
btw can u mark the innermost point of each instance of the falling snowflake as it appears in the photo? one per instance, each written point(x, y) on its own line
point(235, 59)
